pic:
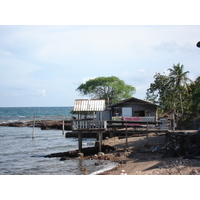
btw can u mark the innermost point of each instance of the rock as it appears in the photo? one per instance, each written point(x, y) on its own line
point(80, 155)
point(100, 154)
point(127, 149)
point(185, 144)
point(193, 172)
point(64, 158)
point(117, 154)
point(86, 152)
point(43, 124)
point(122, 162)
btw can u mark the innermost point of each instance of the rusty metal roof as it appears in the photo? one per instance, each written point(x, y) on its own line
point(89, 105)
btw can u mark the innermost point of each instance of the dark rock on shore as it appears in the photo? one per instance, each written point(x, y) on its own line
point(85, 151)
point(14, 124)
point(56, 125)
point(43, 124)
point(64, 158)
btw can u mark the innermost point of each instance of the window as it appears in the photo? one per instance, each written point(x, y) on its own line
point(142, 113)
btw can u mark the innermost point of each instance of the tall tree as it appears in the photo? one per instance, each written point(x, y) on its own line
point(170, 91)
point(179, 81)
point(160, 92)
point(112, 89)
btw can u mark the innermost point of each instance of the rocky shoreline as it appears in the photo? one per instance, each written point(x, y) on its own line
point(165, 154)
point(43, 124)
point(142, 158)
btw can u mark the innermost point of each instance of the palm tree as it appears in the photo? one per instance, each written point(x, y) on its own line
point(179, 80)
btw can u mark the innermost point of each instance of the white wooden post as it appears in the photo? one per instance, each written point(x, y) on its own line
point(63, 127)
point(105, 124)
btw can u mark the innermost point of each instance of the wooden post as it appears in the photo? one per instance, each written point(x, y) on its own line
point(126, 137)
point(80, 141)
point(105, 125)
point(147, 136)
point(63, 127)
point(33, 128)
point(100, 141)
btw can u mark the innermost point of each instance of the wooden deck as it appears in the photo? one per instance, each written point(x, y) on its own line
point(116, 127)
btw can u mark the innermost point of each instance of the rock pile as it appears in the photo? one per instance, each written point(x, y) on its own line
point(182, 144)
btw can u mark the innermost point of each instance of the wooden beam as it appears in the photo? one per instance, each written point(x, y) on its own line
point(80, 141)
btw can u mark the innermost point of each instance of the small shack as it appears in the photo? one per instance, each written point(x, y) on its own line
point(87, 109)
point(134, 107)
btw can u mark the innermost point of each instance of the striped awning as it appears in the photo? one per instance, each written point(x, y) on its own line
point(89, 105)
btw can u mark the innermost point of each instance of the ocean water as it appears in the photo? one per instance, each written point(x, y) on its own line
point(10, 114)
point(22, 155)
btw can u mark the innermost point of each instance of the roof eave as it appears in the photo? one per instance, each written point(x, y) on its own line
point(125, 100)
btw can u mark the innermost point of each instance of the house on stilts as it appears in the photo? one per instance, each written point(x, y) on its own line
point(130, 116)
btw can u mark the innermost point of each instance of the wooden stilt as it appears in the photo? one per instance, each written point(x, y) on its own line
point(80, 141)
point(126, 138)
point(100, 141)
point(63, 127)
point(147, 135)
point(33, 128)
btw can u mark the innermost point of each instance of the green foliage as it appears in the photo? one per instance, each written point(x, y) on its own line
point(176, 92)
point(112, 89)
point(159, 92)
point(171, 91)
point(195, 90)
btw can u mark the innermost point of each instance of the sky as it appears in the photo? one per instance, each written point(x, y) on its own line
point(43, 65)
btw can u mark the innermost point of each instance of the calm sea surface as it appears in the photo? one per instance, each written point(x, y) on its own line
point(20, 154)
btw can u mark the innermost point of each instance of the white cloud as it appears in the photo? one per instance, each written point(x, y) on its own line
point(42, 92)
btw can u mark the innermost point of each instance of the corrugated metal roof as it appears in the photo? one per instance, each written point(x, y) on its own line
point(89, 105)
point(133, 99)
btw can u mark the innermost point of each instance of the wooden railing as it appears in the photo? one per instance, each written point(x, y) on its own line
point(131, 123)
point(109, 124)
point(88, 124)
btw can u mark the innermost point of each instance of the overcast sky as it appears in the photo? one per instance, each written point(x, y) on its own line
point(43, 65)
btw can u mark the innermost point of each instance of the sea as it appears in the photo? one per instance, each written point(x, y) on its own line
point(20, 154)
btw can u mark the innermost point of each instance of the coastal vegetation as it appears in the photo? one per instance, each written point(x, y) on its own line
point(173, 92)
point(112, 89)
point(176, 93)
